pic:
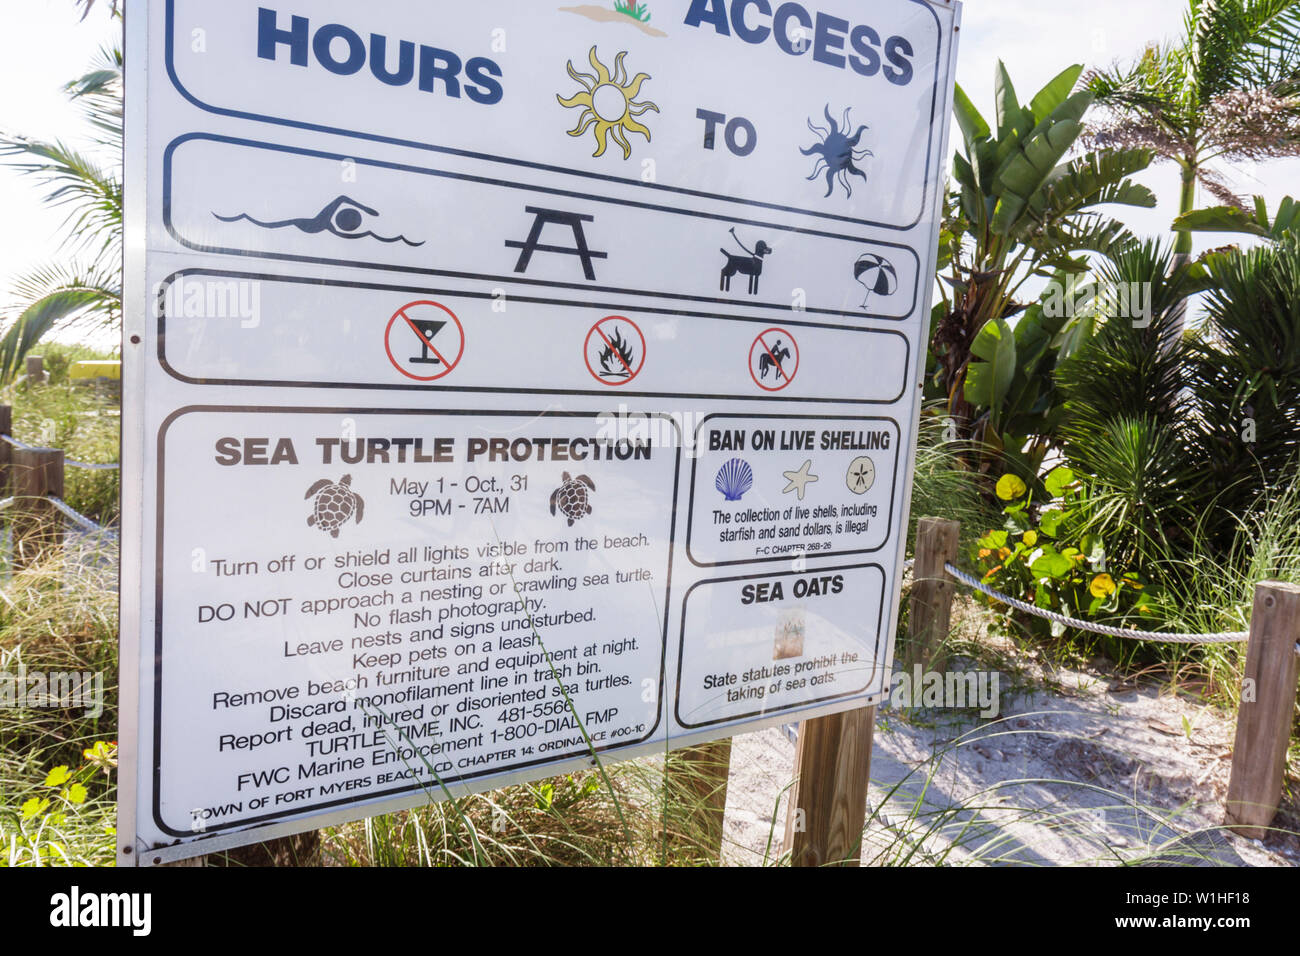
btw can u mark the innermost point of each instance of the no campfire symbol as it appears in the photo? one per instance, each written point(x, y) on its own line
point(615, 351)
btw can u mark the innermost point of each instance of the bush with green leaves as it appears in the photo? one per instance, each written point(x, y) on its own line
point(1044, 554)
point(1181, 436)
point(1244, 430)
point(68, 818)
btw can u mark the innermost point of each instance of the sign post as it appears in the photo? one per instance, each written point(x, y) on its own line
point(507, 387)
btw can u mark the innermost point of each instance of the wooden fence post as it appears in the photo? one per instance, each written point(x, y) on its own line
point(828, 802)
point(6, 449)
point(695, 786)
point(1264, 722)
point(930, 611)
point(35, 368)
point(37, 525)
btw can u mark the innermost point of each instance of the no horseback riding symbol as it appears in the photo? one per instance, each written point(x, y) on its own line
point(773, 360)
point(615, 351)
point(424, 340)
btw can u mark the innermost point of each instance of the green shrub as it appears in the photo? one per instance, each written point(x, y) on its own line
point(1044, 555)
point(86, 424)
point(69, 817)
point(1180, 436)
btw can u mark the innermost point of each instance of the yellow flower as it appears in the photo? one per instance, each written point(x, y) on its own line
point(1103, 585)
point(1004, 553)
point(1010, 487)
point(985, 552)
point(57, 777)
point(1030, 538)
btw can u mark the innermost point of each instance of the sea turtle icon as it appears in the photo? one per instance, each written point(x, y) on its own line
point(334, 505)
point(571, 497)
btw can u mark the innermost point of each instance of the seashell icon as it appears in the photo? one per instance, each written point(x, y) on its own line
point(734, 479)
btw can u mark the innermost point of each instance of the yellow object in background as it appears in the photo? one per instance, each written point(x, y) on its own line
point(92, 370)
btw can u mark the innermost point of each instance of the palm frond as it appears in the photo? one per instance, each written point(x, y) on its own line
point(56, 277)
point(89, 287)
point(1270, 59)
point(1153, 87)
point(1249, 363)
point(1127, 404)
point(1059, 242)
point(35, 321)
point(92, 194)
point(89, 5)
point(1254, 222)
point(1229, 89)
point(1096, 179)
point(99, 92)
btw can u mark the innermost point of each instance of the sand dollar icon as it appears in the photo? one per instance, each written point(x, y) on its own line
point(862, 475)
point(571, 498)
point(335, 504)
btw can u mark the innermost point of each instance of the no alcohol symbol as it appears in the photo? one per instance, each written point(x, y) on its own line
point(424, 340)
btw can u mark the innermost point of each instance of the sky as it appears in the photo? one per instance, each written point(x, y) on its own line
point(43, 46)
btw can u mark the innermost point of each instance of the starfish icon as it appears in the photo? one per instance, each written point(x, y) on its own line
point(799, 480)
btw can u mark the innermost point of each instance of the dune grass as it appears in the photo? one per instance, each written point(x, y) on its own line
point(57, 774)
point(82, 420)
point(58, 617)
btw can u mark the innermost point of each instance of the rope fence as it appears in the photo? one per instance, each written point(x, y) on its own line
point(1269, 673)
point(975, 584)
point(71, 462)
point(77, 518)
point(40, 521)
point(1224, 637)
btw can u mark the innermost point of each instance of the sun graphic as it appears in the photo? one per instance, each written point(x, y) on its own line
point(608, 103)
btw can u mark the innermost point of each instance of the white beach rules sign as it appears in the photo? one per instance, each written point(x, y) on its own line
point(509, 386)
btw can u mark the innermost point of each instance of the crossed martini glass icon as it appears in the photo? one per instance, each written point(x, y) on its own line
point(428, 328)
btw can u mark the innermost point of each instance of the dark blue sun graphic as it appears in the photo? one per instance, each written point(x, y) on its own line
point(837, 153)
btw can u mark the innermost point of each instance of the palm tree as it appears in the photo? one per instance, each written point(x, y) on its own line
point(1228, 90)
point(84, 286)
point(1022, 209)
